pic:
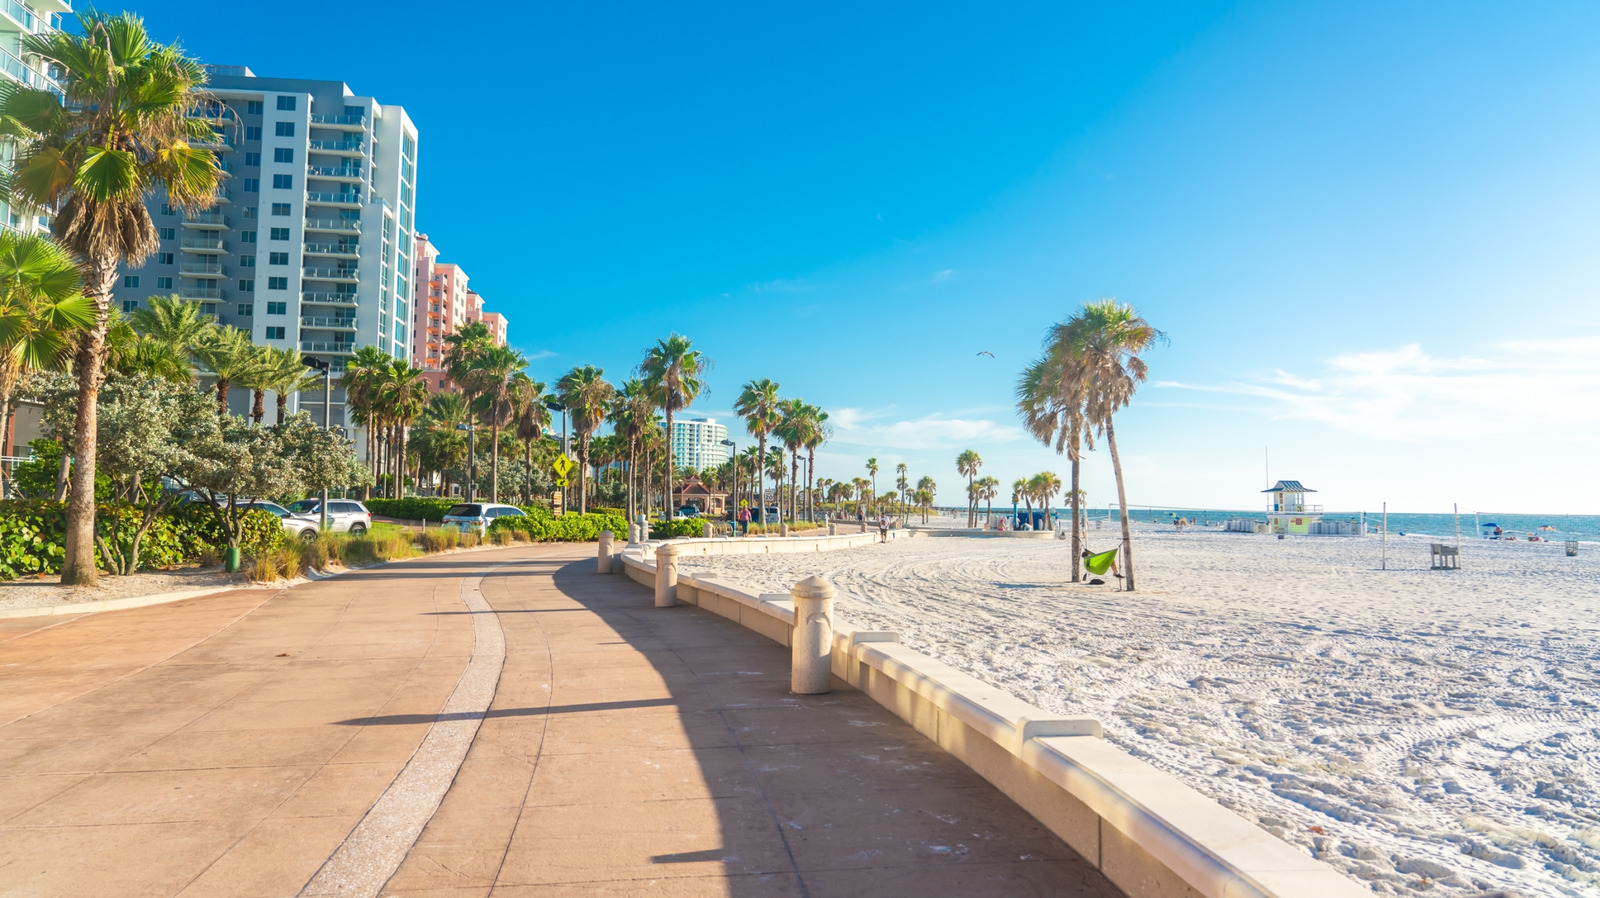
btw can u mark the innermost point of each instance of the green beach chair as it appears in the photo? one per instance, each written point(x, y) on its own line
point(1099, 564)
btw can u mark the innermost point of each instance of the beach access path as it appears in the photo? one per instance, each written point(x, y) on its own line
point(502, 722)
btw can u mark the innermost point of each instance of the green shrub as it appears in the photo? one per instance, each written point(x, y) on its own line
point(33, 536)
point(619, 512)
point(438, 540)
point(415, 508)
point(569, 528)
point(675, 529)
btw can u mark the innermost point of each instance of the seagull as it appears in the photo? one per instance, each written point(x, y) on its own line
point(987, 353)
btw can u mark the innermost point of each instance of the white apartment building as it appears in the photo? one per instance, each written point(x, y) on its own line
point(697, 443)
point(17, 19)
point(310, 241)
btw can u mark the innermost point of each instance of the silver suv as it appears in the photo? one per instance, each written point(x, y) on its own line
point(477, 516)
point(344, 516)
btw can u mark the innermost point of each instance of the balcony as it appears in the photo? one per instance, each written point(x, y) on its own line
point(342, 122)
point(341, 250)
point(342, 200)
point(329, 324)
point(336, 173)
point(25, 17)
point(347, 225)
point(341, 300)
point(203, 245)
point(346, 275)
point(198, 270)
point(200, 293)
point(340, 348)
point(223, 195)
point(205, 220)
point(1292, 508)
point(339, 147)
point(20, 71)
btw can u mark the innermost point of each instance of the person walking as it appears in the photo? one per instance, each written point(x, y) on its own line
point(883, 527)
point(744, 521)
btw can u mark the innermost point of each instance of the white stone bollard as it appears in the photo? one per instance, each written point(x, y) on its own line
point(606, 536)
point(633, 534)
point(833, 529)
point(705, 530)
point(666, 576)
point(811, 644)
point(783, 528)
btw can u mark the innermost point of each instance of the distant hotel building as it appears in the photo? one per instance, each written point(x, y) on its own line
point(17, 19)
point(310, 241)
point(441, 304)
point(697, 443)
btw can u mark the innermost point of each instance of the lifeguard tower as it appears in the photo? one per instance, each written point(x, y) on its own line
point(1289, 512)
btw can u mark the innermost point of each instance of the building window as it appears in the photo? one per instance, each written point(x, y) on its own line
point(163, 258)
point(277, 308)
point(278, 259)
point(275, 333)
point(128, 305)
point(280, 233)
point(163, 283)
point(254, 107)
point(169, 233)
point(252, 159)
point(166, 209)
point(284, 129)
point(283, 154)
point(246, 285)
point(286, 103)
point(281, 208)
point(130, 280)
point(277, 283)
point(246, 309)
point(247, 236)
point(247, 261)
point(283, 182)
point(250, 212)
point(252, 132)
point(252, 185)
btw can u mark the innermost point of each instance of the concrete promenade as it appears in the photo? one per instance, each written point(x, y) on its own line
point(505, 722)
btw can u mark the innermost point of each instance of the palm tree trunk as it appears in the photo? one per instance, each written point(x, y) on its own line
point(77, 566)
point(1122, 500)
point(283, 402)
point(667, 495)
point(1077, 538)
point(258, 406)
point(494, 462)
point(583, 476)
point(400, 492)
point(222, 395)
point(5, 437)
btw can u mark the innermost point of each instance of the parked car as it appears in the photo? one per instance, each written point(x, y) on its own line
point(293, 525)
point(344, 515)
point(478, 515)
point(770, 515)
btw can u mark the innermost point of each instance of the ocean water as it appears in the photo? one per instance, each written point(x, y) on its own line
point(1581, 527)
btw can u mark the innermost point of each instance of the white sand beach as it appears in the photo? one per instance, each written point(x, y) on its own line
point(1426, 732)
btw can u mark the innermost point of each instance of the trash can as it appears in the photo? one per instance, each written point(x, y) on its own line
point(230, 559)
point(1572, 548)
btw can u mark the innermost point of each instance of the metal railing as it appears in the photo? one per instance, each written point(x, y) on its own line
point(337, 146)
point(200, 293)
point(23, 16)
point(216, 218)
point(330, 299)
point(204, 244)
point(1291, 508)
point(333, 224)
point(321, 118)
point(333, 249)
point(346, 274)
point(339, 323)
point(20, 70)
point(333, 198)
point(331, 171)
point(202, 271)
point(319, 346)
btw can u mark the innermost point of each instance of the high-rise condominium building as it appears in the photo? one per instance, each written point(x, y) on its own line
point(17, 19)
point(310, 241)
point(441, 304)
point(697, 443)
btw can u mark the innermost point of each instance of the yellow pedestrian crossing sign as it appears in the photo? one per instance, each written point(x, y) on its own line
point(563, 467)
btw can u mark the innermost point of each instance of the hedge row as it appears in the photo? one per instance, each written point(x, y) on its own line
point(33, 535)
point(677, 528)
point(574, 528)
point(418, 508)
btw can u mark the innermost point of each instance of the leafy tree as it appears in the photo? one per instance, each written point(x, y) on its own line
point(673, 372)
point(229, 356)
point(121, 133)
point(177, 326)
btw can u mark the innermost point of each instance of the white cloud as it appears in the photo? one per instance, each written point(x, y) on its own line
point(879, 430)
point(943, 275)
point(1517, 390)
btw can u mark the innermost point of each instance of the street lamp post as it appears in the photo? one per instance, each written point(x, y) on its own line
point(559, 407)
point(327, 424)
point(733, 454)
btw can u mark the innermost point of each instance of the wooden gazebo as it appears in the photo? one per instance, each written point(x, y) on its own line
point(694, 491)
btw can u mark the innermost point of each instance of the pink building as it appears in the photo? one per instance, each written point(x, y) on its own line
point(442, 303)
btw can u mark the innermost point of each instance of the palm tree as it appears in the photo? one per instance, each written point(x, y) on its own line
point(120, 133)
point(872, 471)
point(924, 495)
point(586, 394)
point(229, 356)
point(791, 430)
point(363, 373)
point(493, 375)
point(988, 488)
point(817, 431)
point(1104, 341)
point(175, 323)
point(444, 448)
point(289, 375)
point(630, 414)
point(1050, 397)
point(258, 378)
point(968, 463)
point(901, 483)
point(758, 406)
point(774, 471)
point(404, 394)
point(464, 349)
point(530, 420)
point(41, 311)
point(1044, 485)
point(1021, 492)
point(862, 485)
point(674, 373)
point(751, 457)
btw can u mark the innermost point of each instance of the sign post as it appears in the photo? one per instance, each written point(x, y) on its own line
point(563, 467)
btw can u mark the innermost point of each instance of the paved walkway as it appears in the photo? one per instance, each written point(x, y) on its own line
point(232, 745)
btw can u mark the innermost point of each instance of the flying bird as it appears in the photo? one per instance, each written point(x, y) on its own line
point(987, 353)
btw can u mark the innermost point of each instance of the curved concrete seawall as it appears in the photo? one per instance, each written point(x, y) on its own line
point(1148, 833)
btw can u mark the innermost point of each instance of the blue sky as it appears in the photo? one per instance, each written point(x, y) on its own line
point(1369, 229)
